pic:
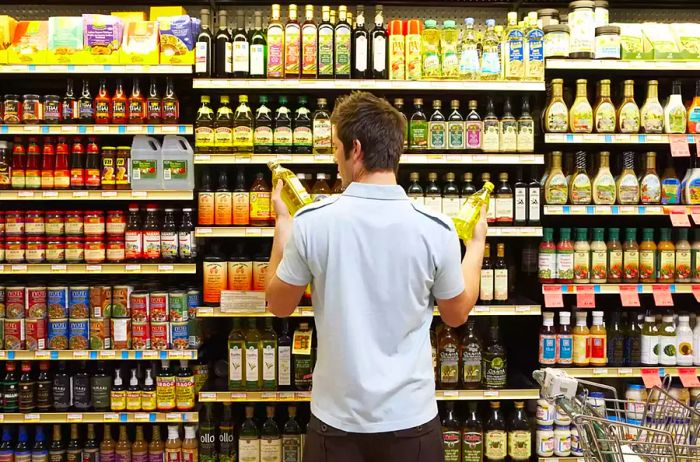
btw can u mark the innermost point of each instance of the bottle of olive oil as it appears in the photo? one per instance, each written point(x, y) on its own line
point(437, 129)
point(223, 126)
point(604, 116)
point(469, 214)
point(508, 141)
point(581, 114)
point(556, 115)
point(628, 112)
point(204, 134)
point(294, 194)
point(652, 113)
point(473, 127)
point(263, 135)
point(580, 189)
point(526, 128)
point(243, 126)
point(415, 190)
point(492, 129)
point(455, 128)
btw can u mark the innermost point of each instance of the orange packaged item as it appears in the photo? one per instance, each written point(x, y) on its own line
point(30, 43)
point(240, 275)
point(141, 45)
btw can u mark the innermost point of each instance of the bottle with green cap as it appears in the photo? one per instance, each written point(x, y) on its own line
point(565, 257)
point(582, 257)
point(630, 257)
point(449, 44)
point(683, 257)
point(547, 259)
point(647, 256)
point(667, 257)
point(262, 135)
point(599, 257)
point(282, 133)
point(469, 214)
point(302, 137)
point(432, 68)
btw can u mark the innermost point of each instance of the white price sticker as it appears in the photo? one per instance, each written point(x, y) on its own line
point(203, 230)
point(132, 268)
point(74, 417)
point(139, 193)
point(600, 371)
point(205, 395)
point(50, 194)
point(100, 129)
point(93, 267)
point(19, 267)
point(80, 194)
point(58, 267)
point(165, 267)
point(69, 129)
point(109, 194)
point(491, 394)
point(255, 232)
point(25, 193)
point(134, 128)
point(450, 394)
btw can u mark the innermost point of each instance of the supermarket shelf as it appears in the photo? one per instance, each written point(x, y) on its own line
point(96, 354)
point(608, 138)
point(299, 396)
point(107, 268)
point(111, 129)
point(99, 417)
point(647, 288)
point(93, 69)
point(619, 209)
point(392, 85)
point(617, 65)
point(501, 159)
point(561, 459)
point(308, 311)
point(268, 231)
point(614, 372)
point(115, 195)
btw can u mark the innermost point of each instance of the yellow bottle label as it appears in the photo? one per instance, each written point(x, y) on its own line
point(204, 137)
point(496, 446)
point(581, 348)
point(223, 137)
point(259, 205)
point(118, 400)
point(243, 137)
point(667, 264)
point(148, 400)
point(184, 392)
point(519, 444)
point(165, 393)
point(133, 400)
point(599, 265)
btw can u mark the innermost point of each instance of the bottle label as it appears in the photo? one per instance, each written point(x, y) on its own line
point(520, 212)
point(631, 264)
point(496, 444)
point(269, 362)
point(650, 349)
point(284, 365)
point(379, 54)
point(243, 136)
point(491, 137)
point(201, 52)
point(599, 265)
point(455, 129)
point(629, 118)
point(240, 56)
point(270, 449)
point(535, 55)
point(582, 348)
point(109, 456)
point(526, 137)
point(263, 136)
point(251, 364)
point(361, 54)
point(494, 371)
point(473, 129)
point(449, 365)
point(651, 189)
point(257, 60)
point(667, 265)
point(451, 206)
point(249, 450)
point(165, 392)
point(240, 275)
point(615, 264)
point(322, 133)
point(101, 110)
point(85, 109)
point(151, 245)
point(172, 455)
point(683, 265)
point(148, 400)
point(504, 209)
point(292, 55)
point(223, 207)
point(582, 265)
point(598, 348)
point(325, 52)
point(515, 64)
point(647, 264)
point(168, 244)
point(185, 244)
point(175, 170)
point(275, 52)
point(283, 136)
point(450, 445)
point(564, 349)
point(437, 139)
point(309, 47)
point(144, 169)
point(342, 51)
point(418, 134)
point(490, 63)
point(500, 284)
point(223, 136)
point(519, 444)
point(259, 205)
point(184, 392)
point(235, 364)
point(291, 448)
point(188, 455)
point(565, 265)
point(472, 446)
point(548, 349)
point(302, 136)
point(471, 364)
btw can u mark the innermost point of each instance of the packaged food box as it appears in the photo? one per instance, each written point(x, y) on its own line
point(127, 16)
point(65, 39)
point(140, 44)
point(177, 38)
point(157, 12)
point(102, 38)
point(688, 40)
point(662, 41)
point(633, 44)
point(8, 24)
point(29, 43)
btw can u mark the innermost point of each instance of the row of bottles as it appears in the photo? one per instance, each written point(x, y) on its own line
point(596, 261)
point(578, 184)
point(79, 389)
point(343, 49)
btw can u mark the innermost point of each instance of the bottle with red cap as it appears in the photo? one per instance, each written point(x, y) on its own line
point(77, 164)
point(93, 172)
point(397, 50)
point(19, 164)
point(414, 59)
point(32, 174)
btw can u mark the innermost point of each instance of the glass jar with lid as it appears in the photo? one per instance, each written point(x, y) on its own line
point(32, 109)
point(607, 42)
point(11, 109)
point(36, 249)
point(75, 249)
point(556, 41)
point(55, 249)
point(548, 16)
point(602, 16)
point(582, 29)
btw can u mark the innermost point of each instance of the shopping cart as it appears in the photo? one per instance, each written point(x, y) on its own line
point(660, 429)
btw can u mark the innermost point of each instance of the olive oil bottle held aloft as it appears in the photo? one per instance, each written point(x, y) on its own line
point(294, 194)
point(556, 115)
point(581, 114)
point(469, 214)
point(628, 112)
point(604, 116)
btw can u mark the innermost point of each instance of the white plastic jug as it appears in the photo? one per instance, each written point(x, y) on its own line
point(146, 164)
point(178, 168)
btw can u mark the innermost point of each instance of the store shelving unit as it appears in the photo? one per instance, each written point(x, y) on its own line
point(619, 65)
point(252, 231)
point(94, 69)
point(308, 311)
point(410, 159)
point(622, 372)
point(610, 138)
point(106, 268)
point(632, 210)
point(106, 129)
point(681, 288)
point(55, 355)
point(75, 195)
point(99, 417)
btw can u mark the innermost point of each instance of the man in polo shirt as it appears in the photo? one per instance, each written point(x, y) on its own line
point(377, 264)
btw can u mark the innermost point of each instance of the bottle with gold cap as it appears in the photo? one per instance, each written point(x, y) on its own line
point(294, 194)
point(469, 214)
point(275, 45)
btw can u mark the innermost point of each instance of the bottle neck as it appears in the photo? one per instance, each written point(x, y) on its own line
point(581, 90)
point(653, 92)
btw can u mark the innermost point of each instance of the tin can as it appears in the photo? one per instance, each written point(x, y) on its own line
point(140, 335)
point(158, 304)
point(120, 302)
point(138, 303)
point(104, 309)
point(57, 297)
point(36, 334)
point(78, 302)
point(177, 306)
point(58, 334)
point(15, 334)
point(36, 302)
point(14, 302)
point(2, 302)
point(121, 333)
point(179, 335)
point(160, 335)
point(194, 300)
point(78, 334)
point(99, 334)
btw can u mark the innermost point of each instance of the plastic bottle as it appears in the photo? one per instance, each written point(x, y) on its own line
point(430, 51)
point(696, 342)
point(414, 60)
point(178, 171)
point(683, 257)
point(547, 260)
point(190, 445)
point(173, 445)
point(548, 340)
point(598, 340)
point(146, 164)
point(650, 342)
point(469, 214)
point(667, 341)
point(449, 41)
point(582, 341)
point(397, 50)
point(684, 341)
point(565, 340)
point(582, 257)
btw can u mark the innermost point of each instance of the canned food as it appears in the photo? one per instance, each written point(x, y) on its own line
point(140, 335)
point(179, 335)
point(35, 249)
point(14, 223)
point(54, 223)
point(15, 249)
point(75, 249)
point(120, 302)
point(14, 302)
point(116, 223)
point(58, 334)
point(15, 334)
point(160, 335)
point(55, 249)
point(2, 301)
point(194, 300)
point(121, 333)
point(34, 222)
point(36, 302)
point(94, 223)
point(79, 302)
point(78, 334)
point(99, 334)
point(101, 302)
point(36, 334)
point(158, 304)
point(177, 306)
point(74, 223)
point(57, 297)
point(138, 303)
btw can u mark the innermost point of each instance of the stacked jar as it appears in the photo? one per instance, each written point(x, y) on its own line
point(556, 436)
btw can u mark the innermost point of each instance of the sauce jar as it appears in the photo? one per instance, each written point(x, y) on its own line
point(36, 249)
point(75, 249)
point(2, 249)
point(14, 222)
point(607, 42)
point(34, 223)
point(116, 249)
point(94, 223)
point(15, 249)
point(94, 250)
point(582, 28)
point(556, 41)
point(2, 223)
point(54, 223)
point(11, 109)
point(55, 249)
point(31, 109)
point(52, 109)
point(74, 223)
point(116, 222)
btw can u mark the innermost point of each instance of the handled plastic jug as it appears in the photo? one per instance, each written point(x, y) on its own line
point(178, 168)
point(146, 164)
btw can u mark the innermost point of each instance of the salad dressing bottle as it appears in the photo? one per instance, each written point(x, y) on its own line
point(598, 338)
point(652, 113)
point(555, 185)
point(647, 256)
point(667, 257)
point(582, 340)
point(580, 184)
point(674, 112)
point(604, 115)
point(630, 257)
point(581, 114)
point(628, 112)
point(670, 185)
point(615, 256)
point(649, 183)
point(582, 257)
point(604, 191)
point(683, 257)
point(556, 115)
point(627, 183)
point(599, 257)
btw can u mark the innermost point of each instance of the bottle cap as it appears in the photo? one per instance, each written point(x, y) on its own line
point(189, 432)
point(117, 378)
point(148, 381)
point(396, 27)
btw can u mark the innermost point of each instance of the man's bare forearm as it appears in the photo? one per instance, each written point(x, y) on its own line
point(283, 228)
point(471, 269)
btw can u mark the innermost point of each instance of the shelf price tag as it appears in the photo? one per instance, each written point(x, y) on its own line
point(585, 297)
point(695, 213)
point(450, 394)
point(207, 396)
point(491, 394)
point(662, 295)
point(268, 396)
point(651, 377)
point(19, 267)
point(110, 417)
point(689, 377)
point(31, 417)
point(600, 371)
point(58, 268)
point(286, 395)
point(166, 267)
point(629, 295)
point(679, 146)
point(553, 297)
point(623, 371)
point(74, 417)
point(50, 194)
point(696, 292)
point(679, 217)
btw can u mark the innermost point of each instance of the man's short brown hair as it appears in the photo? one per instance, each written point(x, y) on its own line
point(376, 124)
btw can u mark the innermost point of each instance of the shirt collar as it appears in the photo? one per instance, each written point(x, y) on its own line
point(375, 191)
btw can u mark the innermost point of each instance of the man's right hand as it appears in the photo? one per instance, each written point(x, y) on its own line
point(480, 230)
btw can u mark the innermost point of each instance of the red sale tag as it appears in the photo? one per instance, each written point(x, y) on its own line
point(695, 213)
point(689, 377)
point(629, 295)
point(585, 297)
point(679, 218)
point(662, 295)
point(696, 292)
point(651, 377)
point(679, 146)
point(553, 297)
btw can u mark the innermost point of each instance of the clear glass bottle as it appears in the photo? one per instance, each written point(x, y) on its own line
point(604, 190)
point(556, 115)
point(604, 114)
point(581, 113)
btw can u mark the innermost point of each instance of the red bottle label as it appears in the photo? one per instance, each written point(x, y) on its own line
point(151, 245)
point(118, 112)
point(92, 177)
point(77, 177)
point(133, 241)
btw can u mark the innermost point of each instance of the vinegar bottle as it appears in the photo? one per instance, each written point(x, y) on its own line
point(139, 449)
point(107, 446)
point(173, 445)
point(241, 201)
point(122, 450)
point(214, 270)
point(260, 212)
point(156, 448)
point(190, 445)
point(205, 200)
point(222, 201)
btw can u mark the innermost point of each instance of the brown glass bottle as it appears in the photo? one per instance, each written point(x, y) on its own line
point(260, 206)
point(448, 358)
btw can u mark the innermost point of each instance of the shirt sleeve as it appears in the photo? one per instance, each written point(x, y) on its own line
point(449, 281)
point(294, 268)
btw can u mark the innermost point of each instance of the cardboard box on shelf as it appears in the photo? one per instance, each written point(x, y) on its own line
point(65, 43)
point(29, 43)
point(177, 38)
point(163, 11)
point(102, 38)
point(140, 44)
point(8, 24)
point(127, 16)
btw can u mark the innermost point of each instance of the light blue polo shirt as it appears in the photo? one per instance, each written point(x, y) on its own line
point(376, 262)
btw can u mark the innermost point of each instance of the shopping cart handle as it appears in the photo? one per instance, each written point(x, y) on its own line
point(555, 383)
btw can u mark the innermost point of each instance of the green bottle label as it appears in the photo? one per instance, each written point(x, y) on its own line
point(418, 133)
